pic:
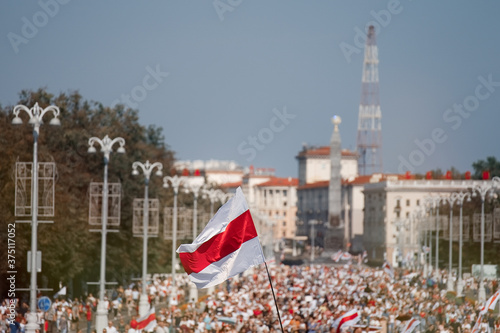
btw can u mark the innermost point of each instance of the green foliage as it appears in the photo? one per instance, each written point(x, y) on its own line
point(70, 251)
point(490, 164)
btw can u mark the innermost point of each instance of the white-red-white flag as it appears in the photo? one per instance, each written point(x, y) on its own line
point(477, 325)
point(410, 325)
point(346, 256)
point(227, 246)
point(388, 269)
point(346, 320)
point(336, 256)
point(148, 321)
point(491, 303)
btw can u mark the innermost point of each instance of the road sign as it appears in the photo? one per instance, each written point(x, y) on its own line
point(44, 303)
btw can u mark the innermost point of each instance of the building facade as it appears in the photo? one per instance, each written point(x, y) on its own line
point(399, 211)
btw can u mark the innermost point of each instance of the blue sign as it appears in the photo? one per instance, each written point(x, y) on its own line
point(44, 303)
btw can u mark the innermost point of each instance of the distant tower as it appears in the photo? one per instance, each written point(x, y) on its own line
point(369, 142)
point(334, 232)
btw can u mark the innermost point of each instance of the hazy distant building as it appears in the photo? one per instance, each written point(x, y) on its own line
point(277, 198)
point(215, 172)
point(322, 171)
point(394, 201)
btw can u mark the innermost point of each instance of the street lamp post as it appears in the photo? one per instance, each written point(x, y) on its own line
point(213, 195)
point(36, 114)
point(451, 200)
point(175, 182)
point(106, 148)
point(435, 202)
point(483, 190)
point(146, 168)
point(460, 200)
point(425, 245)
point(194, 184)
point(313, 236)
point(398, 223)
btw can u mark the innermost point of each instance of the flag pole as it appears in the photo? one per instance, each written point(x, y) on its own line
point(274, 296)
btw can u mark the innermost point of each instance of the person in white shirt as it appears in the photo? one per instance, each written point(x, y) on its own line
point(111, 328)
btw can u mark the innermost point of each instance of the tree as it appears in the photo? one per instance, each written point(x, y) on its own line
point(71, 254)
point(490, 164)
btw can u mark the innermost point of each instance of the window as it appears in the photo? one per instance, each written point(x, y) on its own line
point(407, 214)
point(407, 202)
point(418, 202)
point(284, 223)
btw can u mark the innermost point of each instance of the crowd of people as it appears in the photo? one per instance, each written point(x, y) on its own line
point(309, 299)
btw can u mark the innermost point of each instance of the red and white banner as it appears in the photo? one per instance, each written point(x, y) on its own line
point(346, 320)
point(147, 322)
point(227, 246)
point(410, 325)
point(491, 303)
point(346, 256)
point(477, 325)
point(336, 256)
point(388, 269)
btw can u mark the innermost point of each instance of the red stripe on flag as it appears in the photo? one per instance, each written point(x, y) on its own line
point(145, 322)
point(237, 232)
point(408, 326)
point(343, 320)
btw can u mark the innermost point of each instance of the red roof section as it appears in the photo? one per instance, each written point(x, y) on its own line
point(324, 151)
point(276, 181)
point(320, 184)
point(231, 185)
point(365, 179)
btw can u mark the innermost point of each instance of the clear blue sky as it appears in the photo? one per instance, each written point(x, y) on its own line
point(228, 71)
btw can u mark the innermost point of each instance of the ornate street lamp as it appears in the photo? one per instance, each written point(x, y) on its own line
point(451, 200)
point(106, 148)
point(194, 185)
point(174, 182)
point(36, 114)
point(146, 168)
point(213, 195)
point(460, 200)
point(483, 189)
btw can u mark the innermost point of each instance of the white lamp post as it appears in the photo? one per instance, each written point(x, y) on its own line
point(106, 148)
point(175, 182)
point(451, 200)
point(483, 190)
point(194, 184)
point(36, 114)
point(460, 200)
point(436, 202)
point(424, 231)
point(146, 168)
point(312, 223)
point(213, 195)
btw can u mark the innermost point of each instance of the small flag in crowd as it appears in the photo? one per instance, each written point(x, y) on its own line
point(61, 292)
point(426, 249)
point(148, 321)
point(336, 256)
point(346, 256)
point(346, 320)
point(365, 256)
point(477, 325)
point(491, 303)
point(227, 246)
point(410, 326)
point(388, 269)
